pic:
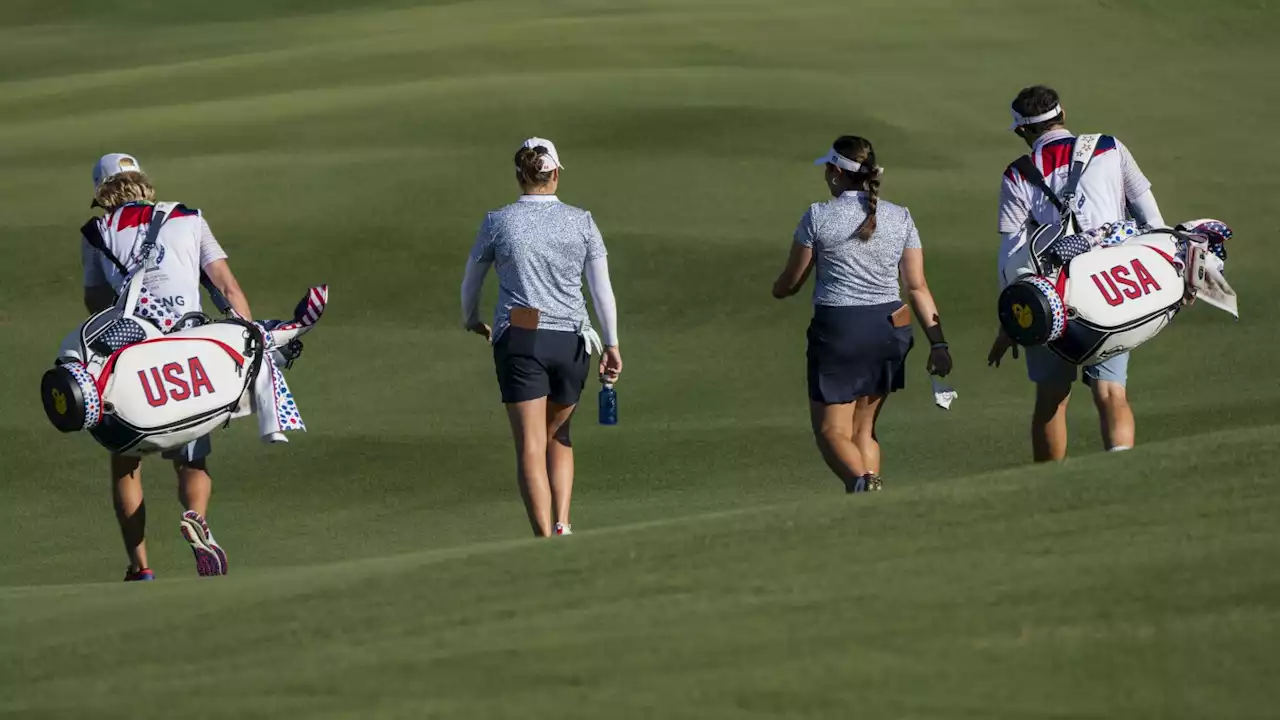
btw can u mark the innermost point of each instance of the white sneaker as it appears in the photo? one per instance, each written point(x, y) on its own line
point(564, 529)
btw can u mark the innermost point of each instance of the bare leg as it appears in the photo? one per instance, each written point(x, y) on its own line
point(1049, 422)
point(131, 511)
point(529, 429)
point(1114, 415)
point(864, 431)
point(194, 486)
point(560, 459)
point(833, 430)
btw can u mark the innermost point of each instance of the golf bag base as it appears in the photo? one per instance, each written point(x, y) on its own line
point(1031, 311)
point(66, 402)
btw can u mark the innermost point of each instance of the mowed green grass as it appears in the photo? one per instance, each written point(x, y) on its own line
point(380, 562)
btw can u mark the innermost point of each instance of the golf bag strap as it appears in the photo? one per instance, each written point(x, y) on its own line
point(93, 235)
point(1028, 170)
point(159, 214)
point(1082, 152)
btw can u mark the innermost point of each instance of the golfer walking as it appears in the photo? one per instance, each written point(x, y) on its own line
point(542, 338)
point(187, 248)
point(1112, 188)
point(860, 247)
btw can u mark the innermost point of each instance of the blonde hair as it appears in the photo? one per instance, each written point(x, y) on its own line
point(123, 188)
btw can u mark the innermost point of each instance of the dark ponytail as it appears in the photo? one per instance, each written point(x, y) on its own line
point(860, 151)
point(529, 167)
point(868, 226)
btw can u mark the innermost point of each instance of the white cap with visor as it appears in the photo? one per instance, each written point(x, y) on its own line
point(550, 159)
point(113, 164)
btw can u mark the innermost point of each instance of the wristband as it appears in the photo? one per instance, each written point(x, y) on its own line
point(940, 346)
point(934, 333)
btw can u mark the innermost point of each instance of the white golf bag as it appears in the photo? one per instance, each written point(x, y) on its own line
point(139, 390)
point(1092, 296)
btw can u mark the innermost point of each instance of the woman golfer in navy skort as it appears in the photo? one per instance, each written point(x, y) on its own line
point(860, 335)
point(542, 338)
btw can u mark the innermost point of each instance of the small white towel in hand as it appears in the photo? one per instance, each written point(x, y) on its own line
point(943, 394)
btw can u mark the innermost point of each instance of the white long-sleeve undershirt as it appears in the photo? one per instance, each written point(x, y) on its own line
point(1146, 211)
point(602, 297)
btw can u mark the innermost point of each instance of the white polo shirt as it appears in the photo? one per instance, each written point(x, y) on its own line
point(1112, 180)
point(186, 245)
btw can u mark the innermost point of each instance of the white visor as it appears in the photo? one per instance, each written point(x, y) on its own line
point(1022, 120)
point(834, 158)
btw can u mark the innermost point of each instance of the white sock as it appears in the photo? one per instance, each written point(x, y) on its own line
point(1119, 448)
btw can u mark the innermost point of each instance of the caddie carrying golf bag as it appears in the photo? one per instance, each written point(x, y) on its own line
point(1093, 295)
point(138, 389)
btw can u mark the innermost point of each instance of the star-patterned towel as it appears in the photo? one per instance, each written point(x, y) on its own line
point(274, 405)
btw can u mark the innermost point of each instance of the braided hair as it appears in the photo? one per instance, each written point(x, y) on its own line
point(860, 151)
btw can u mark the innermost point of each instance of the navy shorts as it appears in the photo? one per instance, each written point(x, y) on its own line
point(534, 364)
point(856, 352)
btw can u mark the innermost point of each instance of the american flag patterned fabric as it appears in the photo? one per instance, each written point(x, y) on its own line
point(1216, 232)
point(122, 333)
point(309, 309)
point(1068, 247)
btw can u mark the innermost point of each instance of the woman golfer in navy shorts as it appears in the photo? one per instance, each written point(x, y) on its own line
point(542, 338)
point(860, 335)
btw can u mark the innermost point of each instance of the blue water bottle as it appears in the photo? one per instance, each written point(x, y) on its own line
point(608, 405)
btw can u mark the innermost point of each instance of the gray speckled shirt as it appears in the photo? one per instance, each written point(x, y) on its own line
point(539, 247)
point(851, 271)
